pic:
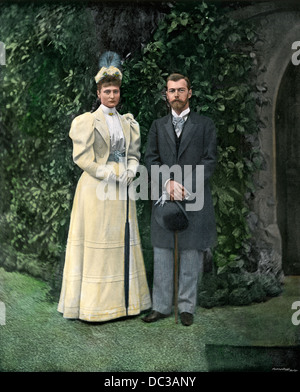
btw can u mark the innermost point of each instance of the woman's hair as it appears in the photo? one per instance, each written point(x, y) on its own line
point(109, 80)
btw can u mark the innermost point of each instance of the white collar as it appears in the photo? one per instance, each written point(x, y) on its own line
point(182, 114)
point(107, 110)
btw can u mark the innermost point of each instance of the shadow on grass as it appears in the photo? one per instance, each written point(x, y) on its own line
point(223, 358)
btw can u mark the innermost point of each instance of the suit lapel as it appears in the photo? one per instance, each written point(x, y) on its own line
point(101, 126)
point(187, 134)
point(170, 135)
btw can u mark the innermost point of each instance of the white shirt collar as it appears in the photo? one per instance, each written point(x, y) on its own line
point(107, 110)
point(182, 114)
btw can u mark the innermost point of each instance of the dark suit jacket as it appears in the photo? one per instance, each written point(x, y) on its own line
point(197, 147)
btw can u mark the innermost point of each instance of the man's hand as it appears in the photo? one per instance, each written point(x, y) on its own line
point(176, 190)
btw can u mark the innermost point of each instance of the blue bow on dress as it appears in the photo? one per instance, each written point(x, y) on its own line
point(116, 156)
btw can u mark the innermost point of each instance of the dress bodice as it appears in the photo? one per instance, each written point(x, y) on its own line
point(117, 139)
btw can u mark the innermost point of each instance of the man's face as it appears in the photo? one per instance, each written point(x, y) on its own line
point(178, 95)
point(109, 95)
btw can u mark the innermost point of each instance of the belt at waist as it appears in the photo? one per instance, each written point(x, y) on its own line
point(116, 156)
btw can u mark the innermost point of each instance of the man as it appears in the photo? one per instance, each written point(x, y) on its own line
point(187, 139)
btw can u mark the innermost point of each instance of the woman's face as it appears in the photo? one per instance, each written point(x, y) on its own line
point(109, 95)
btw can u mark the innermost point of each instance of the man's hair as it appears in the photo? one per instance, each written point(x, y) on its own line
point(176, 76)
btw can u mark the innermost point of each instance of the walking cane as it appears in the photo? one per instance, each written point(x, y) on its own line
point(172, 216)
point(176, 279)
point(126, 256)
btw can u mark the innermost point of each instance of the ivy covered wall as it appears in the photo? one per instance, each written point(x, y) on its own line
point(216, 52)
point(51, 61)
point(52, 54)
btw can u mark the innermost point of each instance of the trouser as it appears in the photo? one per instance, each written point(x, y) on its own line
point(190, 270)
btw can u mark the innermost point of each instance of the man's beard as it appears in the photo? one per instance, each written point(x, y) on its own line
point(178, 104)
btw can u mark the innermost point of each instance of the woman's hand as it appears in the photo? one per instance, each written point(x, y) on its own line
point(126, 177)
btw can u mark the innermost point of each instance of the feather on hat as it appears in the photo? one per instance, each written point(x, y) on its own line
point(109, 64)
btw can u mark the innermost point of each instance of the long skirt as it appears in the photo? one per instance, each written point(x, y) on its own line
point(93, 278)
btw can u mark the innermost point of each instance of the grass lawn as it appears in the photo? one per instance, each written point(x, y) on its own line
point(36, 338)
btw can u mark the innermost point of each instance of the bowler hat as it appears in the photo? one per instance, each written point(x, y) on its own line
point(171, 216)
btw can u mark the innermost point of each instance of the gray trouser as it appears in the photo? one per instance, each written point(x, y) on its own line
point(190, 267)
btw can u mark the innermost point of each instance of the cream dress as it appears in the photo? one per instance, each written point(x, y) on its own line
point(93, 278)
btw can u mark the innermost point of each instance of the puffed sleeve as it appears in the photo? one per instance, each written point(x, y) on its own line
point(83, 137)
point(133, 152)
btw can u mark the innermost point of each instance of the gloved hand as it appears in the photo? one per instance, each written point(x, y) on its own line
point(126, 177)
point(112, 177)
point(106, 173)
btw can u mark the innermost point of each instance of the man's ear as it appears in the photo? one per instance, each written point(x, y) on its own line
point(190, 93)
point(167, 97)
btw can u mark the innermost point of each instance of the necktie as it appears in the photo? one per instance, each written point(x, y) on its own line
point(178, 123)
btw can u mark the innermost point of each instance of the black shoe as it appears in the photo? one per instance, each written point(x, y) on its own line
point(154, 316)
point(186, 318)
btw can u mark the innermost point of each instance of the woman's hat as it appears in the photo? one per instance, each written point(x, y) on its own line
point(110, 71)
point(171, 216)
point(110, 65)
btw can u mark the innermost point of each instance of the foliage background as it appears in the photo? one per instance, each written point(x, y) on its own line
point(49, 78)
point(46, 81)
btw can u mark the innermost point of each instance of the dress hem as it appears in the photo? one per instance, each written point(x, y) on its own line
point(97, 318)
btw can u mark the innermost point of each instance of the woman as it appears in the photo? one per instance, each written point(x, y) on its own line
point(106, 147)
